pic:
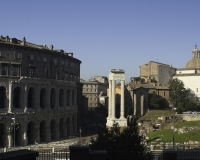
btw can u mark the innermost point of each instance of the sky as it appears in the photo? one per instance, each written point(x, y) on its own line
point(108, 34)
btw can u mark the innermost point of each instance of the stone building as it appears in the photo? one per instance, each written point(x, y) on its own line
point(137, 96)
point(157, 72)
point(38, 93)
point(190, 75)
point(93, 88)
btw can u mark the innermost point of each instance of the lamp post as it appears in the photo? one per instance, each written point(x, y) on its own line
point(14, 127)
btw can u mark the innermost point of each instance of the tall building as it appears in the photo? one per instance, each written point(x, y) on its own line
point(190, 75)
point(93, 88)
point(38, 93)
point(157, 72)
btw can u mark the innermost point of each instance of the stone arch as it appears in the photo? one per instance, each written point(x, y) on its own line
point(53, 129)
point(43, 131)
point(68, 97)
point(68, 126)
point(31, 98)
point(2, 97)
point(17, 98)
point(61, 128)
point(61, 98)
point(53, 98)
point(31, 132)
point(73, 97)
point(43, 98)
point(2, 132)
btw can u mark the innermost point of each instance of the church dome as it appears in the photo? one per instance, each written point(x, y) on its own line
point(193, 63)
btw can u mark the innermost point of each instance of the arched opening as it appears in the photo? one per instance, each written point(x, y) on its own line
point(53, 129)
point(53, 98)
point(42, 98)
point(68, 126)
point(43, 132)
point(2, 128)
point(68, 97)
point(31, 98)
point(61, 128)
point(31, 133)
point(72, 97)
point(2, 97)
point(61, 98)
point(17, 97)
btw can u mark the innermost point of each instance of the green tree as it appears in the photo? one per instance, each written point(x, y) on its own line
point(156, 101)
point(177, 91)
point(121, 144)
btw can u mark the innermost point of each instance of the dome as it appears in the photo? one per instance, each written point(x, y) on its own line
point(193, 63)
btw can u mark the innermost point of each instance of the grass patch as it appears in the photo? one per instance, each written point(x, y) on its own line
point(166, 135)
point(187, 124)
point(154, 114)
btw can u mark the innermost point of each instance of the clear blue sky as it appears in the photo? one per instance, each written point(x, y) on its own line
point(108, 34)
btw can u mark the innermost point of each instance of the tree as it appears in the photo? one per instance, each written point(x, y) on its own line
point(121, 144)
point(177, 91)
point(156, 101)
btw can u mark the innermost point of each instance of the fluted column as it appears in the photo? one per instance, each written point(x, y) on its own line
point(113, 99)
point(122, 100)
point(110, 99)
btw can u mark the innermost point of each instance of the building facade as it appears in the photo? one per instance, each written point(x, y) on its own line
point(190, 75)
point(157, 72)
point(92, 89)
point(38, 93)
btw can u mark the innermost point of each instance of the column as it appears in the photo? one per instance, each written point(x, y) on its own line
point(110, 99)
point(10, 97)
point(8, 137)
point(122, 100)
point(135, 104)
point(113, 99)
point(25, 97)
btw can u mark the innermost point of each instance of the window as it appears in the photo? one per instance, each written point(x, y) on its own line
point(31, 57)
point(55, 62)
point(15, 70)
point(46, 73)
point(38, 58)
point(45, 59)
point(197, 89)
point(4, 69)
point(31, 71)
point(0, 53)
point(164, 93)
point(16, 54)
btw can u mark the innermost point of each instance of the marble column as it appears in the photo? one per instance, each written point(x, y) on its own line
point(8, 137)
point(110, 99)
point(122, 100)
point(113, 99)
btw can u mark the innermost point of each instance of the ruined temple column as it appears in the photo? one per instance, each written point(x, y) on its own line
point(122, 100)
point(10, 97)
point(113, 99)
point(110, 99)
